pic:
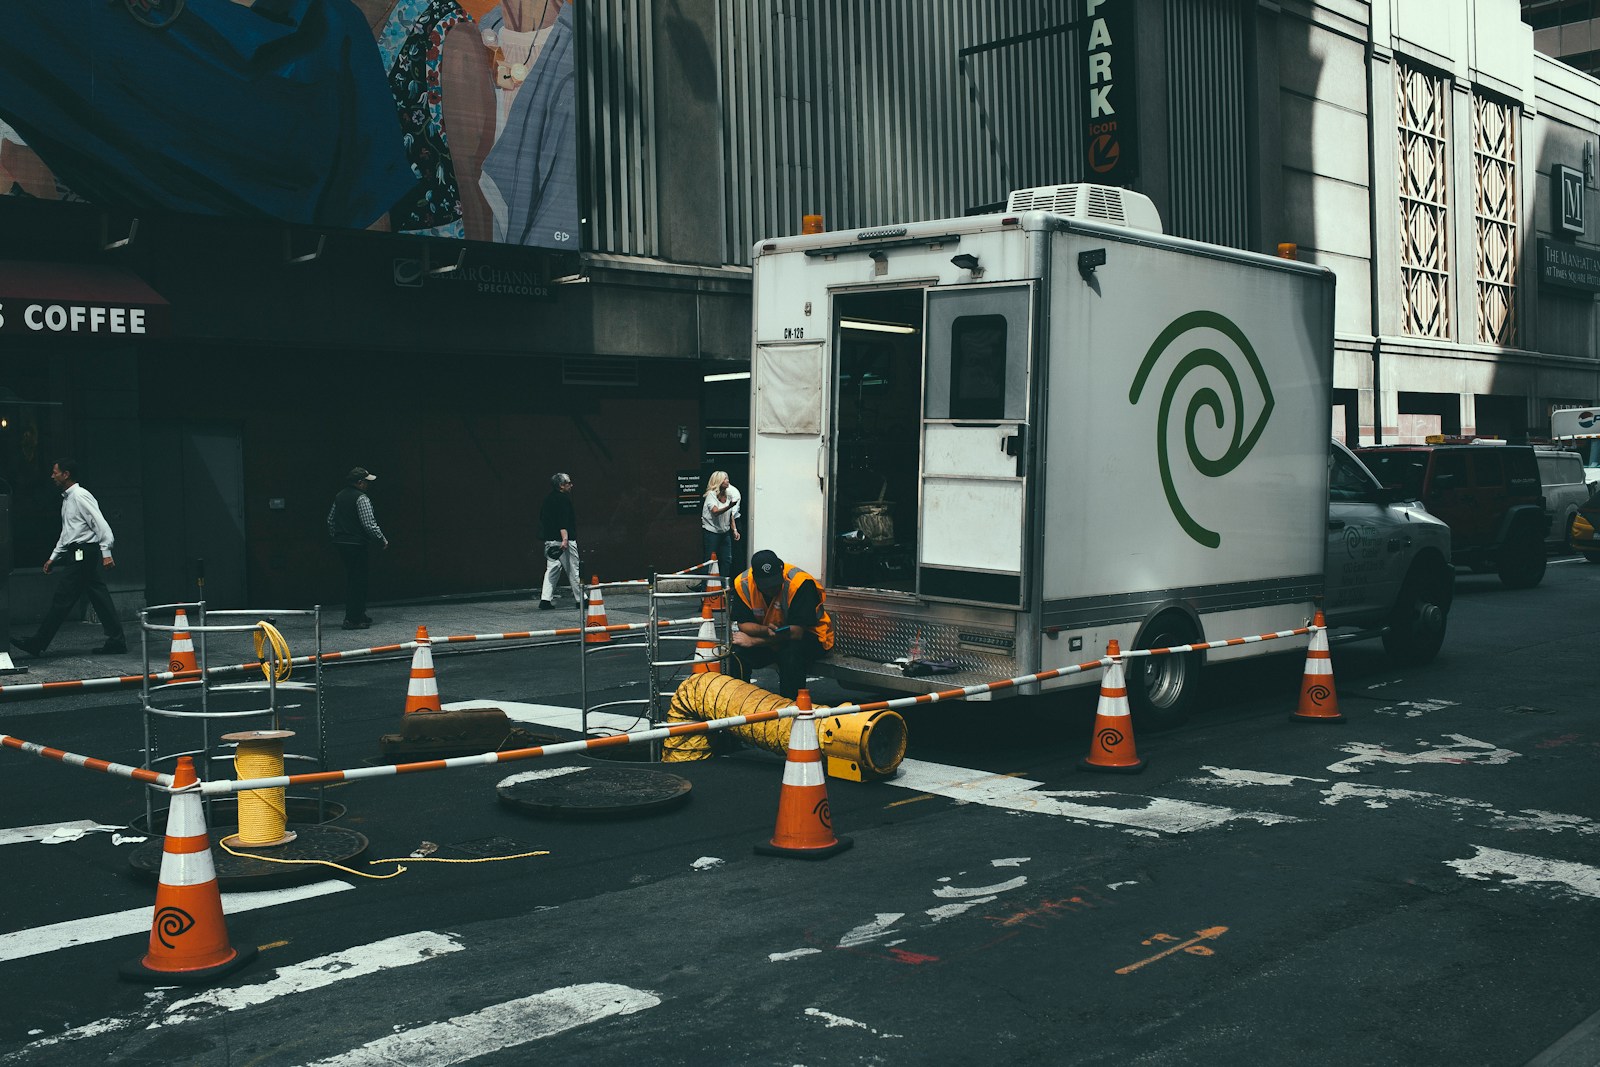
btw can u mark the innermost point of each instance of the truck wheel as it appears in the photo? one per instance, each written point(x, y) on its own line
point(1521, 563)
point(1417, 621)
point(1162, 690)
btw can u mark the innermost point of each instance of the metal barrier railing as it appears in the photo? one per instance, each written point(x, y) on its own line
point(656, 634)
point(195, 704)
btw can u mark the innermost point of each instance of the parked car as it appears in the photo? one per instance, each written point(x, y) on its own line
point(1488, 492)
point(1583, 535)
point(1563, 479)
point(1388, 562)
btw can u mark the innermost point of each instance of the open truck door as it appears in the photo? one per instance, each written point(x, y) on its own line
point(975, 445)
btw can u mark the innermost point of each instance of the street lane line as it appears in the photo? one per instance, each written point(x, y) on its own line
point(18, 834)
point(86, 931)
point(1514, 868)
point(357, 962)
point(553, 715)
point(499, 1026)
point(1153, 815)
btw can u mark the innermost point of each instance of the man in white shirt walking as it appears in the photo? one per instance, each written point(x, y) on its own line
point(82, 555)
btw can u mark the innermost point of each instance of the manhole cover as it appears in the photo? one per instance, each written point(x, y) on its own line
point(594, 792)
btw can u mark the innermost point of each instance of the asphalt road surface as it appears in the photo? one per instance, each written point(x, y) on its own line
point(1418, 886)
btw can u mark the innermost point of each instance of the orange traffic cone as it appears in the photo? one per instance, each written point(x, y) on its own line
point(805, 822)
point(706, 659)
point(182, 645)
point(1112, 750)
point(714, 599)
point(188, 938)
point(423, 692)
point(1318, 701)
point(596, 616)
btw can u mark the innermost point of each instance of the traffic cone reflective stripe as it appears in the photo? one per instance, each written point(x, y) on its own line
point(188, 937)
point(423, 692)
point(596, 616)
point(805, 821)
point(1112, 749)
point(714, 598)
point(1319, 701)
point(183, 658)
point(705, 647)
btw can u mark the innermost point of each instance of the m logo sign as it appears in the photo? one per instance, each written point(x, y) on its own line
point(1566, 194)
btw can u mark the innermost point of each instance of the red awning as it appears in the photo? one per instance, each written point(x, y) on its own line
point(77, 301)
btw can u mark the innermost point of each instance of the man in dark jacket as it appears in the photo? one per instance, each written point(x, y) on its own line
point(558, 523)
point(353, 527)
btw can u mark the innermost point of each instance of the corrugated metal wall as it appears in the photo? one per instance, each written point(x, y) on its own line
point(871, 113)
point(891, 110)
point(1208, 121)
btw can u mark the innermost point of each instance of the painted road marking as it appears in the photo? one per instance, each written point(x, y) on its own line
point(1514, 868)
point(401, 951)
point(1463, 750)
point(1152, 815)
point(553, 715)
point(1192, 946)
point(41, 939)
point(52, 832)
point(500, 1026)
point(1379, 797)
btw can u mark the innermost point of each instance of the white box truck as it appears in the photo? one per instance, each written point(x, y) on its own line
point(1579, 430)
point(1002, 441)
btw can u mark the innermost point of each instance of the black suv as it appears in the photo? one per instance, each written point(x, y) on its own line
point(1489, 494)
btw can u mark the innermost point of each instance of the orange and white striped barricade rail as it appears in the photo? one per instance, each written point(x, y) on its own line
point(188, 936)
point(805, 819)
point(1112, 749)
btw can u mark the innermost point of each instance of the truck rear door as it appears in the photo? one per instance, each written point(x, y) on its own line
point(975, 444)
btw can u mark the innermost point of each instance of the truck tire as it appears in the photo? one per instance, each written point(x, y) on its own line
point(1163, 690)
point(1521, 560)
point(1415, 631)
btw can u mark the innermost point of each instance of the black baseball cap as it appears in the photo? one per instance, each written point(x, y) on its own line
point(768, 570)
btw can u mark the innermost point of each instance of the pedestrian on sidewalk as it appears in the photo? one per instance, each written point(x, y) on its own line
point(82, 556)
point(719, 522)
point(354, 529)
point(558, 523)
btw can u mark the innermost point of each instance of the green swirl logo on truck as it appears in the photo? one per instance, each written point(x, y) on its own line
point(1202, 399)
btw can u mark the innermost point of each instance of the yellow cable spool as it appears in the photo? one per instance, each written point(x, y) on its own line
point(263, 813)
point(267, 634)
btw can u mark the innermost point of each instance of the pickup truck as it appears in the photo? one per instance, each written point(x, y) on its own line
point(1388, 566)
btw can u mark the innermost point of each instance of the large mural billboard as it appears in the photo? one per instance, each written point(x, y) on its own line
point(450, 118)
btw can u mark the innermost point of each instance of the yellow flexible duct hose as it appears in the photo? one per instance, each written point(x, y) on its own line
point(873, 740)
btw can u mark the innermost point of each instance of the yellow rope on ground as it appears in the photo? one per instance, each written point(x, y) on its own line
point(397, 872)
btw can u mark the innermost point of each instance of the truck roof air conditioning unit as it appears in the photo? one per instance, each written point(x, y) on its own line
point(1099, 203)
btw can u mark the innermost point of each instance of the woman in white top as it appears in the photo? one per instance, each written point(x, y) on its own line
point(719, 521)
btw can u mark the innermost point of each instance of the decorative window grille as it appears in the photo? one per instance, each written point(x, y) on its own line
point(1494, 158)
point(1424, 202)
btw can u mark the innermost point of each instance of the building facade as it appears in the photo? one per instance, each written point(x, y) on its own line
point(466, 347)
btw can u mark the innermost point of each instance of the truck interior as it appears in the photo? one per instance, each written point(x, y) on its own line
point(873, 502)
